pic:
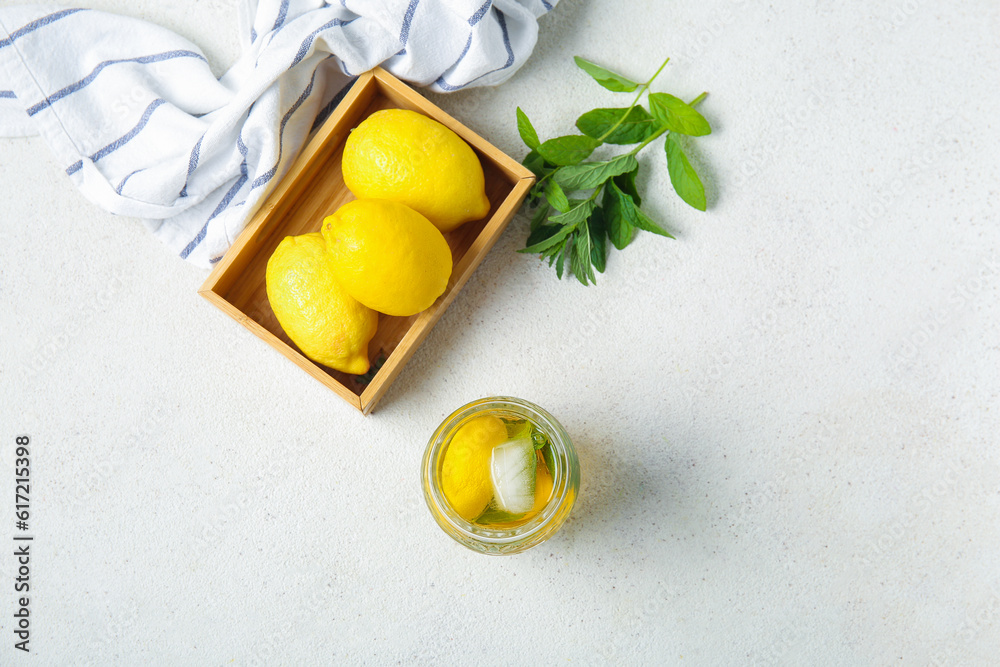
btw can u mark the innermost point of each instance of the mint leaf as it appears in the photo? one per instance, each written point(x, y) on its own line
point(682, 175)
point(526, 130)
point(677, 115)
point(579, 262)
point(568, 150)
point(541, 213)
point(643, 222)
point(541, 233)
point(619, 215)
point(548, 241)
point(551, 253)
point(626, 183)
point(556, 196)
point(493, 515)
point(536, 163)
point(561, 261)
point(636, 125)
point(585, 248)
point(610, 80)
point(580, 212)
point(549, 459)
point(598, 237)
point(591, 174)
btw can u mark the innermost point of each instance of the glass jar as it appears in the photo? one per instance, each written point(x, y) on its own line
point(497, 540)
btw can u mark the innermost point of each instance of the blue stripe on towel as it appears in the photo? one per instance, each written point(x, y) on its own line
point(36, 24)
point(125, 180)
point(269, 174)
point(218, 209)
point(481, 12)
point(440, 80)
point(192, 163)
point(506, 43)
point(73, 168)
point(404, 32)
point(282, 14)
point(128, 136)
point(85, 81)
point(7, 94)
point(307, 42)
point(261, 180)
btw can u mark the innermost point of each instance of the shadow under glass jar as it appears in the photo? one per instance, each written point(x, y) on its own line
point(518, 536)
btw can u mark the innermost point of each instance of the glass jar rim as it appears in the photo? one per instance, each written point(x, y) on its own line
point(561, 486)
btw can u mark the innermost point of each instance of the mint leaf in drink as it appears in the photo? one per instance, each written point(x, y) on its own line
point(591, 174)
point(494, 515)
point(677, 115)
point(683, 176)
point(630, 125)
point(550, 460)
point(526, 130)
point(610, 80)
point(571, 149)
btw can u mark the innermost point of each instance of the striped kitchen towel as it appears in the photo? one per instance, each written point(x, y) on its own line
point(143, 128)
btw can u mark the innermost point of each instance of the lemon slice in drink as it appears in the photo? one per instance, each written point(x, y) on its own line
point(465, 470)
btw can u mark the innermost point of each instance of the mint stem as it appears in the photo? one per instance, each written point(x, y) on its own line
point(642, 89)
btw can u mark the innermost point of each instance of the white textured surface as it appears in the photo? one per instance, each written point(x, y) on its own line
point(787, 419)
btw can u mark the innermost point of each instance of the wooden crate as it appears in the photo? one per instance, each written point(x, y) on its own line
point(313, 188)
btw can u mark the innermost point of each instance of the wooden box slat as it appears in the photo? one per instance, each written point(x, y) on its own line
point(312, 189)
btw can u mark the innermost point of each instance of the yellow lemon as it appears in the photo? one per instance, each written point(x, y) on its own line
point(387, 256)
point(407, 157)
point(328, 325)
point(465, 468)
point(543, 488)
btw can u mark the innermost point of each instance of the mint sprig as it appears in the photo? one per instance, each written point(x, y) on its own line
point(580, 205)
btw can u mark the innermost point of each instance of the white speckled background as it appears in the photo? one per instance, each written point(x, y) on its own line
point(787, 419)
